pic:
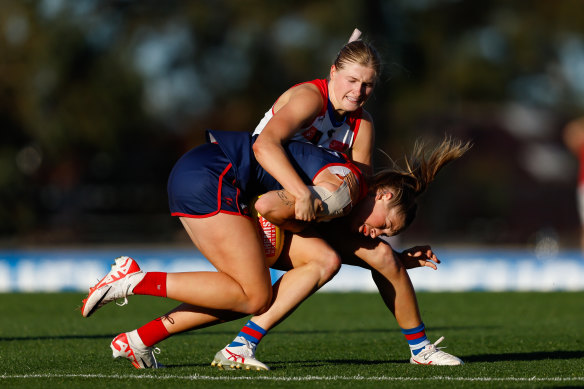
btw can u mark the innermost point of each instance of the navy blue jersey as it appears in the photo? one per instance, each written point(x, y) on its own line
point(223, 175)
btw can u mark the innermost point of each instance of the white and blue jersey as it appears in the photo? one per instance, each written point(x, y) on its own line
point(324, 131)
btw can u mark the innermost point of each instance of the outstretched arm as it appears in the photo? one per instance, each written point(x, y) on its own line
point(362, 251)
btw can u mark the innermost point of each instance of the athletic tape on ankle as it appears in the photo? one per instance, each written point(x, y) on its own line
point(333, 203)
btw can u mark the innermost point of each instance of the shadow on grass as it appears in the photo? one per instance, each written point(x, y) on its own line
point(530, 356)
point(334, 362)
point(303, 364)
point(232, 333)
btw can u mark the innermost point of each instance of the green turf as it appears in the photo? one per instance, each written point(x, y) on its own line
point(333, 340)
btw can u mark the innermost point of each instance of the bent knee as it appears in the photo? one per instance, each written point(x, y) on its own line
point(384, 260)
point(258, 301)
point(329, 264)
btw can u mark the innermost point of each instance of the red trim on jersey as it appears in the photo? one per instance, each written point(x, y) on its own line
point(355, 118)
point(322, 86)
point(219, 210)
point(235, 213)
point(338, 146)
point(363, 187)
point(221, 185)
point(180, 214)
point(581, 170)
point(326, 167)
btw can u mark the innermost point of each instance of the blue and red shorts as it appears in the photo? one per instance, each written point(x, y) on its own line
point(203, 183)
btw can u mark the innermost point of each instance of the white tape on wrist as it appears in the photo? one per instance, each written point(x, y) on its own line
point(333, 203)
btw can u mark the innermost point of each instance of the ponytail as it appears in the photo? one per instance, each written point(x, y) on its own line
point(420, 170)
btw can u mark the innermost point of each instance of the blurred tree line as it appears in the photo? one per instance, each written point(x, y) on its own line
point(98, 99)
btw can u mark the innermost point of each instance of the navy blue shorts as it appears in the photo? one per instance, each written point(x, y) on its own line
point(202, 184)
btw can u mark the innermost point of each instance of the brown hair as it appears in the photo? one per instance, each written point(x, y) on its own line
point(420, 170)
point(359, 52)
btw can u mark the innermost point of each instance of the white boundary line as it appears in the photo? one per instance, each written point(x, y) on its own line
point(198, 377)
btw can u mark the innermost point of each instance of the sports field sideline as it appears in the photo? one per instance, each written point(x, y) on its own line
point(461, 269)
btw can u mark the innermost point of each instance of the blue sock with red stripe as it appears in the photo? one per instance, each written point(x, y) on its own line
point(251, 332)
point(416, 338)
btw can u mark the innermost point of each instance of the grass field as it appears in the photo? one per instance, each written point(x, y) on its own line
point(333, 340)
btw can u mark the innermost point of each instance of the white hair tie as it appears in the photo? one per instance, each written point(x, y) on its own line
point(355, 35)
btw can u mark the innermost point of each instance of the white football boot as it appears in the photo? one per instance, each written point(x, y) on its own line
point(239, 357)
point(432, 355)
point(129, 345)
point(117, 284)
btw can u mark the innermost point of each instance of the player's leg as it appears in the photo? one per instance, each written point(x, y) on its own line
point(241, 286)
point(395, 288)
point(242, 282)
point(229, 242)
point(312, 263)
point(138, 345)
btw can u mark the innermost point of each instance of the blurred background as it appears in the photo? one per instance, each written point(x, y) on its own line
point(98, 99)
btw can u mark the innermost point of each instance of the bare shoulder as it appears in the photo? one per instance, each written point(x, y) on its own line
point(306, 94)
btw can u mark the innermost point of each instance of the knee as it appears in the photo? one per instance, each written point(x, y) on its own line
point(384, 260)
point(258, 301)
point(329, 264)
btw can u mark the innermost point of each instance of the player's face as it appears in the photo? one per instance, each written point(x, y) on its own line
point(383, 221)
point(376, 216)
point(351, 86)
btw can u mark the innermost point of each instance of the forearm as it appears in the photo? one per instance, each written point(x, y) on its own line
point(272, 157)
point(278, 207)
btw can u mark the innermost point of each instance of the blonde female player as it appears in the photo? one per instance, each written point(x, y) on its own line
point(330, 114)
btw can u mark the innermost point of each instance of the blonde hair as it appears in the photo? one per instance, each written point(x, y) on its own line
point(421, 168)
point(361, 53)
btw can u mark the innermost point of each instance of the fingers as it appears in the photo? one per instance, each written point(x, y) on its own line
point(423, 253)
point(307, 210)
point(429, 264)
point(318, 205)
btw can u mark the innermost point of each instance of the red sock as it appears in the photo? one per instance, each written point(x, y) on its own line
point(153, 284)
point(153, 332)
